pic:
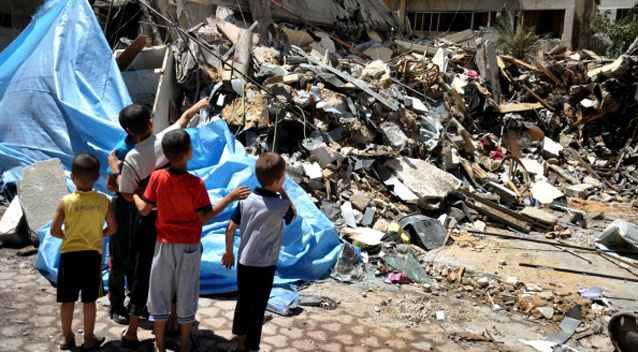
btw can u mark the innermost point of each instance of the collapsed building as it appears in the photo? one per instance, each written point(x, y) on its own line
point(431, 155)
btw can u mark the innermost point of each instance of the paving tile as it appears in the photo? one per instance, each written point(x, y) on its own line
point(279, 341)
point(304, 345)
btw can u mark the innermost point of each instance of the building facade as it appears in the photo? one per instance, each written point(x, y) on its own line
point(555, 18)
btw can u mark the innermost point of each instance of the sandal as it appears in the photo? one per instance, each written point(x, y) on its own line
point(68, 345)
point(95, 344)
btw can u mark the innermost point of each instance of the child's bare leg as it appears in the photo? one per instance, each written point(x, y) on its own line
point(185, 337)
point(160, 329)
point(133, 325)
point(89, 321)
point(66, 316)
point(172, 319)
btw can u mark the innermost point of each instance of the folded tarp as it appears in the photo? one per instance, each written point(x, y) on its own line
point(60, 93)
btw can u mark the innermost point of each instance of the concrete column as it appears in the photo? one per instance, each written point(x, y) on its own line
point(402, 8)
point(568, 26)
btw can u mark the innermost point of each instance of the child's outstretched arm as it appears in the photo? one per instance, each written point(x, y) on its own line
point(142, 206)
point(228, 260)
point(58, 220)
point(111, 223)
point(238, 193)
point(190, 112)
point(293, 211)
point(113, 178)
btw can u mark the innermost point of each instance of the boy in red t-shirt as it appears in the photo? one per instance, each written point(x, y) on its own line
point(183, 207)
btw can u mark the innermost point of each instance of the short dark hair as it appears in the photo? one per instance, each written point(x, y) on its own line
point(175, 144)
point(135, 118)
point(85, 167)
point(269, 168)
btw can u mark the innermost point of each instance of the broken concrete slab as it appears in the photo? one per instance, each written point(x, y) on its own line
point(423, 178)
point(40, 191)
point(394, 134)
point(540, 215)
point(347, 213)
point(11, 218)
point(532, 166)
point(545, 192)
point(551, 148)
point(579, 190)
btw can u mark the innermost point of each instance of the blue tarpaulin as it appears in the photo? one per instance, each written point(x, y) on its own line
point(60, 94)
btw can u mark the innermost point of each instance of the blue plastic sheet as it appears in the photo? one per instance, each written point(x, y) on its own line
point(60, 94)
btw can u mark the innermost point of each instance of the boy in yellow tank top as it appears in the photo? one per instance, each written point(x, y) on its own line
point(83, 213)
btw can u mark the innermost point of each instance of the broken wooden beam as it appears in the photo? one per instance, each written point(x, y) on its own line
point(518, 107)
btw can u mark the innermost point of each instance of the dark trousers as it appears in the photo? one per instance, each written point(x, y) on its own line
point(255, 284)
point(142, 249)
point(120, 248)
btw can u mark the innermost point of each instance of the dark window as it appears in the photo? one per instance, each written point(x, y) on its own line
point(5, 20)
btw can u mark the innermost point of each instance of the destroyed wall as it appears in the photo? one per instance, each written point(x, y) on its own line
point(369, 14)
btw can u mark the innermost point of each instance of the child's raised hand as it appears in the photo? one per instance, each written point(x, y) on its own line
point(114, 162)
point(239, 193)
point(202, 104)
point(228, 260)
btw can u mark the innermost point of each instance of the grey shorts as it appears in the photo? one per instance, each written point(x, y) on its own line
point(174, 274)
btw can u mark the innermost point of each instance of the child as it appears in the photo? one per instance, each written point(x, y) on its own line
point(83, 213)
point(120, 242)
point(136, 169)
point(260, 218)
point(182, 207)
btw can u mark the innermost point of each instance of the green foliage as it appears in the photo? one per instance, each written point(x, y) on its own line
point(621, 33)
point(514, 38)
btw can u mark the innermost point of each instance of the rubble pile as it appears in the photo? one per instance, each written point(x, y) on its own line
point(419, 142)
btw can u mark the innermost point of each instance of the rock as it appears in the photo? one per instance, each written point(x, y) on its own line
point(546, 312)
point(512, 280)
point(380, 53)
point(381, 225)
point(360, 200)
point(483, 282)
point(546, 295)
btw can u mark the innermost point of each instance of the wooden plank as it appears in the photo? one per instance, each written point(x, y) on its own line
point(520, 63)
point(518, 107)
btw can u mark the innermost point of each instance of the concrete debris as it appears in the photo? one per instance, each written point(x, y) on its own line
point(40, 191)
point(415, 146)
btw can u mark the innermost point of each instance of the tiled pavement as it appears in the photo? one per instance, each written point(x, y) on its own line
point(29, 322)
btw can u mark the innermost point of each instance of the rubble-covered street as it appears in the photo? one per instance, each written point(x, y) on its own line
point(463, 190)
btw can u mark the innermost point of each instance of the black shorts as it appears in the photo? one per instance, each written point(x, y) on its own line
point(79, 272)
